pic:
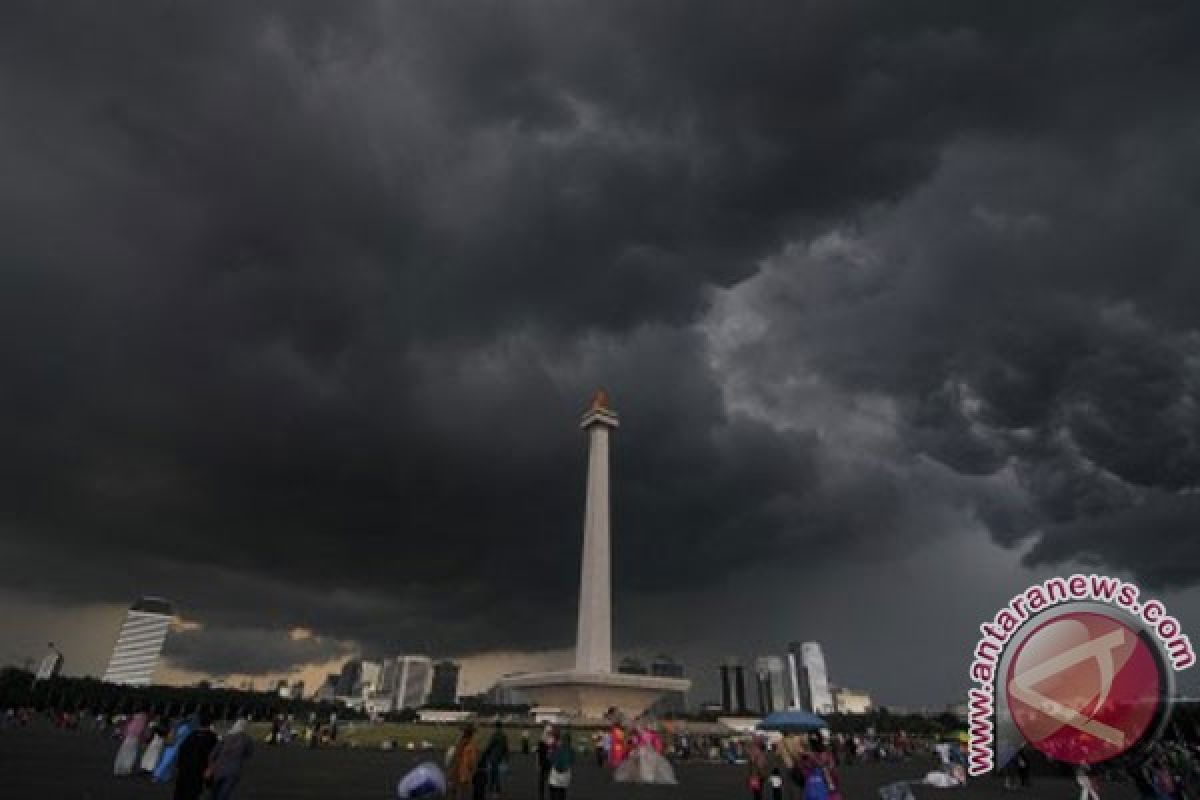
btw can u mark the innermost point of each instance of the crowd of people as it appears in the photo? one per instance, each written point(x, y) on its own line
point(191, 755)
point(186, 751)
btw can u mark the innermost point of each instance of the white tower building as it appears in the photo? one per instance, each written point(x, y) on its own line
point(593, 642)
point(140, 642)
point(591, 688)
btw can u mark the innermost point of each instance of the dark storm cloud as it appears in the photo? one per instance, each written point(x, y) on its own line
point(249, 651)
point(301, 303)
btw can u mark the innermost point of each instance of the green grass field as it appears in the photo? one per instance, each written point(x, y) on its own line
point(372, 735)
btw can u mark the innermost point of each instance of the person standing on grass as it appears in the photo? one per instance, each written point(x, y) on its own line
point(462, 765)
point(756, 758)
point(561, 760)
point(191, 759)
point(225, 764)
point(495, 760)
point(545, 751)
point(127, 755)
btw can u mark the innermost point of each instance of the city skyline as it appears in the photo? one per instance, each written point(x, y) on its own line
point(301, 304)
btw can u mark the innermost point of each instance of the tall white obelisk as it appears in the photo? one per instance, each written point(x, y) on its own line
point(589, 690)
point(593, 642)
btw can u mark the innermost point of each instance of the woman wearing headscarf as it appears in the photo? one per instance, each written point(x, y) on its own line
point(158, 736)
point(192, 753)
point(128, 753)
point(225, 764)
point(166, 765)
point(644, 764)
point(756, 757)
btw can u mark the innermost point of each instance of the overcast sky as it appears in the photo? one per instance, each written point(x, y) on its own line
point(300, 304)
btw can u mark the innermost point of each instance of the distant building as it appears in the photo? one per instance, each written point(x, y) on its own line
point(733, 686)
point(807, 679)
point(282, 689)
point(666, 667)
point(672, 702)
point(369, 677)
point(298, 690)
point(51, 664)
point(415, 681)
point(327, 691)
point(348, 681)
point(818, 678)
point(632, 666)
point(140, 642)
point(851, 701)
point(401, 682)
point(769, 680)
point(503, 695)
point(444, 690)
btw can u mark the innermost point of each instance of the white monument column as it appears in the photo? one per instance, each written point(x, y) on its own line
point(593, 643)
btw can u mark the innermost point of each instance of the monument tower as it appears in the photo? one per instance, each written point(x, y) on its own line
point(593, 641)
point(591, 688)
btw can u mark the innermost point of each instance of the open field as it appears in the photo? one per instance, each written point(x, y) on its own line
point(48, 764)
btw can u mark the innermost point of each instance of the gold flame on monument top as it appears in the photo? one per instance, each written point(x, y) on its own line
point(600, 401)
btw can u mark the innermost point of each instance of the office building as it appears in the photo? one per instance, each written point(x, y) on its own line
point(414, 681)
point(348, 681)
point(851, 701)
point(369, 676)
point(444, 691)
point(733, 687)
point(51, 664)
point(820, 697)
point(666, 667)
point(140, 642)
point(396, 683)
point(672, 702)
point(327, 692)
point(632, 666)
point(769, 680)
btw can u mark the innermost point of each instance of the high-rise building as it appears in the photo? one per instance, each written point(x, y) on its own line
point(401, 682)
point(818, 678)
point(733, 686)
point(298, 690)
point(632, 666)
point(51, 664)
point(671, 702)
point(368, 677)
point(415, 681)
point(327, 692)
point(799, 692)
point(666, 667)
point(140, 642)
point(444, 691)
point(348, 681)
point(772, 689)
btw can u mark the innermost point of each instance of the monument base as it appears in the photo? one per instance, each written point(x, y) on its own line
point(589, 695)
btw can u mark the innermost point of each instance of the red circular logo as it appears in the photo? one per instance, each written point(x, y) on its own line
point(1084, 687)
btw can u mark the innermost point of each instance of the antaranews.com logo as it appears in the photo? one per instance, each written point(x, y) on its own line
point(1078, 667)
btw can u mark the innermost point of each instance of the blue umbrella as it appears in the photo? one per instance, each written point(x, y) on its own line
point(792, 722)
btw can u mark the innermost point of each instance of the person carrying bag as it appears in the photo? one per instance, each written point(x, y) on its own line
point(560, 768)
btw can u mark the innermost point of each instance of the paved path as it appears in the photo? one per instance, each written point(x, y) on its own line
point(46, 764)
